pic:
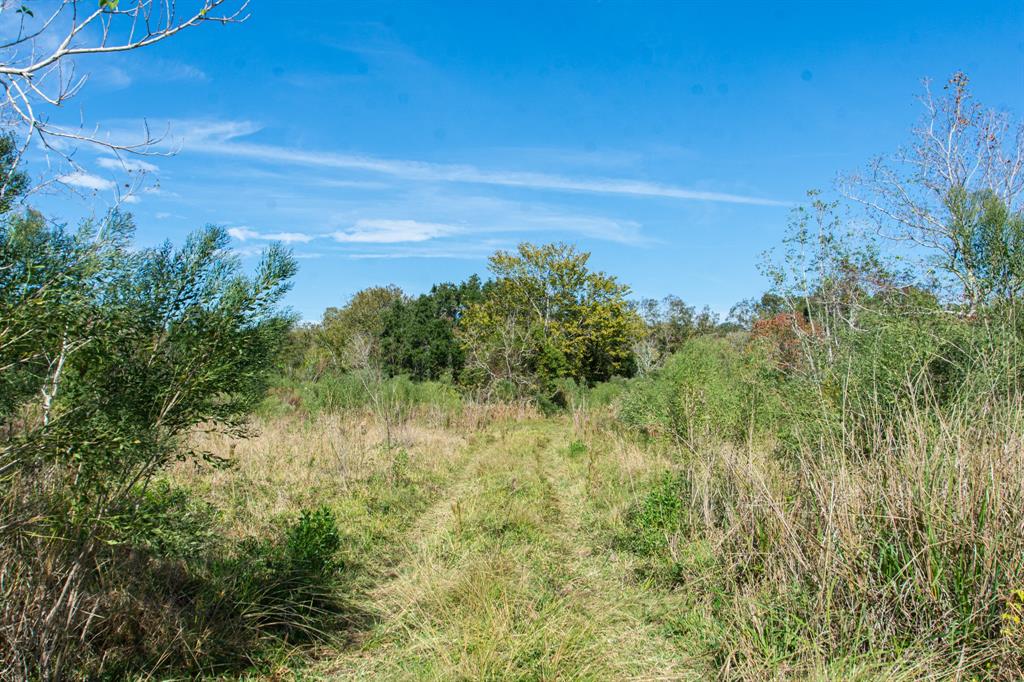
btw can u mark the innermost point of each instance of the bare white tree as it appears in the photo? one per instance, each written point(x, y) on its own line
point(959, 148)
point(42, 48)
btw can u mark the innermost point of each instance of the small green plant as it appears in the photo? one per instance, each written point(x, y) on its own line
point(312, 542)
point(657, 517)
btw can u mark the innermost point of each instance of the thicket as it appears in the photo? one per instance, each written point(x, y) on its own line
point(111, 357)
point(852, 486)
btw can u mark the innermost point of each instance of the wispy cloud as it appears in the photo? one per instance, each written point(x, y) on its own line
point(460, 173)
point(85, 180)
point(450, 252)
point(221, 138)
point(174, 70)
point(245, 234)
point(393, 231)
point(490, 215)
point(113, 77)
point(200, 131)
point(129, 165)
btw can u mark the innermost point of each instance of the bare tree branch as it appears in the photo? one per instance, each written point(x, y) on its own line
point(38, 64)
point(959, 148)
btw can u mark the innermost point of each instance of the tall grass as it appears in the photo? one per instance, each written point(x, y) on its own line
point(883, 519)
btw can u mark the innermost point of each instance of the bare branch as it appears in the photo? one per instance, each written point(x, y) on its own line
point(38, 65)
point(960, 148)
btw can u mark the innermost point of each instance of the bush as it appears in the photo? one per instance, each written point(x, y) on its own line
point(659, 518)
point(112, 357)
point(711, 389)
point(286, 587)
point(312, 543)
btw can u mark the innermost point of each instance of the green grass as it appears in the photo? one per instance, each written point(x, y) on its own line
point(517, 547)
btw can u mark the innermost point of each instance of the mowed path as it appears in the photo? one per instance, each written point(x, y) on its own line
point(503, 579)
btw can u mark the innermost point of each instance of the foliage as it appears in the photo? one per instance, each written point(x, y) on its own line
point(546, 315)
point(14, 181)
point(111, 356)
point(657, 519)
point(363, 316)
point(988, 245)
point(710, 389)
point(669, 323)
point(312, 543)
point(418, 336)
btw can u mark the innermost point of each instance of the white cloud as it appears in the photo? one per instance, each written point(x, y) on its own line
point(478, 215)
point(131, 199)
point(288, 237)
point(471, 251)
point(161, 215)
point(376, 231)
point(86, 181)
point(244, 234)
point(129, 165)
point(201, 131)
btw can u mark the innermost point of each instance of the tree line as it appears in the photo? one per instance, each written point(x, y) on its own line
point(543, 315)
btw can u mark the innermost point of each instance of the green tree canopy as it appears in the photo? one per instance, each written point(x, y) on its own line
point(546, 315)
point(363, 315)
point(418, 336)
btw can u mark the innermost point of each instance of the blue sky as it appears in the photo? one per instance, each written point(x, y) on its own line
point(404, 142)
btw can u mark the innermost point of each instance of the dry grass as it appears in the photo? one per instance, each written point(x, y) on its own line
point(294, 463)
point(908, 552)
point(492, 544)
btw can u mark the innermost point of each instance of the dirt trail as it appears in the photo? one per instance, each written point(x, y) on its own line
point(503, 580)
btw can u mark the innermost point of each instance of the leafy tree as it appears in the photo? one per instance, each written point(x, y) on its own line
point(546, 315)
point(669, 322)
point(363, 315)
point(110, 357)
point(988, 239)
point(418, 336)
point(748, 311)
point(121, 352)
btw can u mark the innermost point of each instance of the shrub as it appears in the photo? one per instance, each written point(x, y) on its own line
point(710, 389)
point(659, 517)
point(111, 357)
point(312, 543)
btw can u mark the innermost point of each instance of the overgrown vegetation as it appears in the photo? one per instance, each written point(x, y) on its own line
point(829, 483)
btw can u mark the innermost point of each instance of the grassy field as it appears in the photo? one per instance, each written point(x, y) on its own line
point(503, 545)
point(474, 551)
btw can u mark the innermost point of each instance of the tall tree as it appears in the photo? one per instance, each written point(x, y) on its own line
point(962, 153)
point(418, 336)
point(363, 317)
point(547, 315)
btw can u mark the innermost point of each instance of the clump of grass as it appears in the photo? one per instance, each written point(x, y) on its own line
point(828, 555)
